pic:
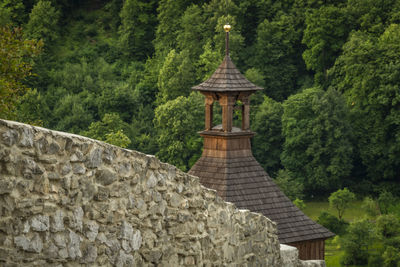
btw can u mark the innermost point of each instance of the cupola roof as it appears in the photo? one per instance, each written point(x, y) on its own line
point(227, 78)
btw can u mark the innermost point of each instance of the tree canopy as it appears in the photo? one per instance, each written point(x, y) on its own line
point(317, 147)
point(43, 22)
point(177, 122)
point(368, 74)
point(16, 62)
point(328, 116)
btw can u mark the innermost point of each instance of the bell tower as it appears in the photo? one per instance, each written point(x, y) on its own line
point(227, 86)
point(227, 164)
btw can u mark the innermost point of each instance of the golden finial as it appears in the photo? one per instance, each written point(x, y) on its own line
point(227, 27)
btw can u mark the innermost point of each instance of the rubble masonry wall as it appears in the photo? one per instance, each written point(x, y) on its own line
point(67, 200)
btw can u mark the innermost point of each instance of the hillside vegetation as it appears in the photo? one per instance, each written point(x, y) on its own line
point(122, 72)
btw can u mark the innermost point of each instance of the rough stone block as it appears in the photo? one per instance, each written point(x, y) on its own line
point(90, 255)
point(10, 137)
point(92, 229)
point(78, 168)
point(57, 221)
point(6, 186)
point(32, 244)
point(289, 255)
point(73, 246)
point(95, 158)
point(105, 177)
point(102, 193)
point(53, 148)
point(40, 223)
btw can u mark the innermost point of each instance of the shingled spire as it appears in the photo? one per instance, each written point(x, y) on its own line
point(228, 166)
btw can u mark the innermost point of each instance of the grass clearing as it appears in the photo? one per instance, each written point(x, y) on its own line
point(314, 208)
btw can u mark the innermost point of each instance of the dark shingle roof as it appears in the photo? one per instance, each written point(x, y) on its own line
point(244, 182)
point(227, 78)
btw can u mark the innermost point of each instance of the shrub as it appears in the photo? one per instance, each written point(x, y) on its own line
point(375, 260)
point(370, 207)
point(388, 226)
point(299, 203)
point(393, 242)
point(385, 201)
point(357, 242)
point(332, 223)
point(391, 257)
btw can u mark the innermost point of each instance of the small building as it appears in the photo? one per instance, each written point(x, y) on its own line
point(228, 166)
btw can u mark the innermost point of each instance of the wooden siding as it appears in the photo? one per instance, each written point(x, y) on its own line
point(311, 249)
point(227, 146)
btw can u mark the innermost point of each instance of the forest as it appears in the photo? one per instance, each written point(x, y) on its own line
point(122, 71)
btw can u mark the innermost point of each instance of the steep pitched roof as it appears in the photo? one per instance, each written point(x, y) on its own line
point(227, 78)
point(244, 182)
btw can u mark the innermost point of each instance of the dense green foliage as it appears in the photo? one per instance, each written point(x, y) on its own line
point(368, 74)
point(268, 126)
point(110, 129)
point(317, 148)
point(176, 122)
point(292, 188)
point(358, 242)
point(16, 56)
point(138, 21)
point(43, 23)
point(121, 71)
point(332, 223)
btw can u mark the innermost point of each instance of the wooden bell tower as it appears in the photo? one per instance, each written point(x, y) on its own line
point(227, 86)
point(228, 166)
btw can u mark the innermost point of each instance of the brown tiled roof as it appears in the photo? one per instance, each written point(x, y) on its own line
point(227, 78)
point(244, 182)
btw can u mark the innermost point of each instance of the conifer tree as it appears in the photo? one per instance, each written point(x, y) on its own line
point(43, 22)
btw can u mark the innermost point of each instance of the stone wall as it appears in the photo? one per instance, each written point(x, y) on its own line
point(290, 258)
point(66, 200)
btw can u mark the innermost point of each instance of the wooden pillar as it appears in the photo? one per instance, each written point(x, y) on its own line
point(245, 113)
point(227, 102)
point(209, 101)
